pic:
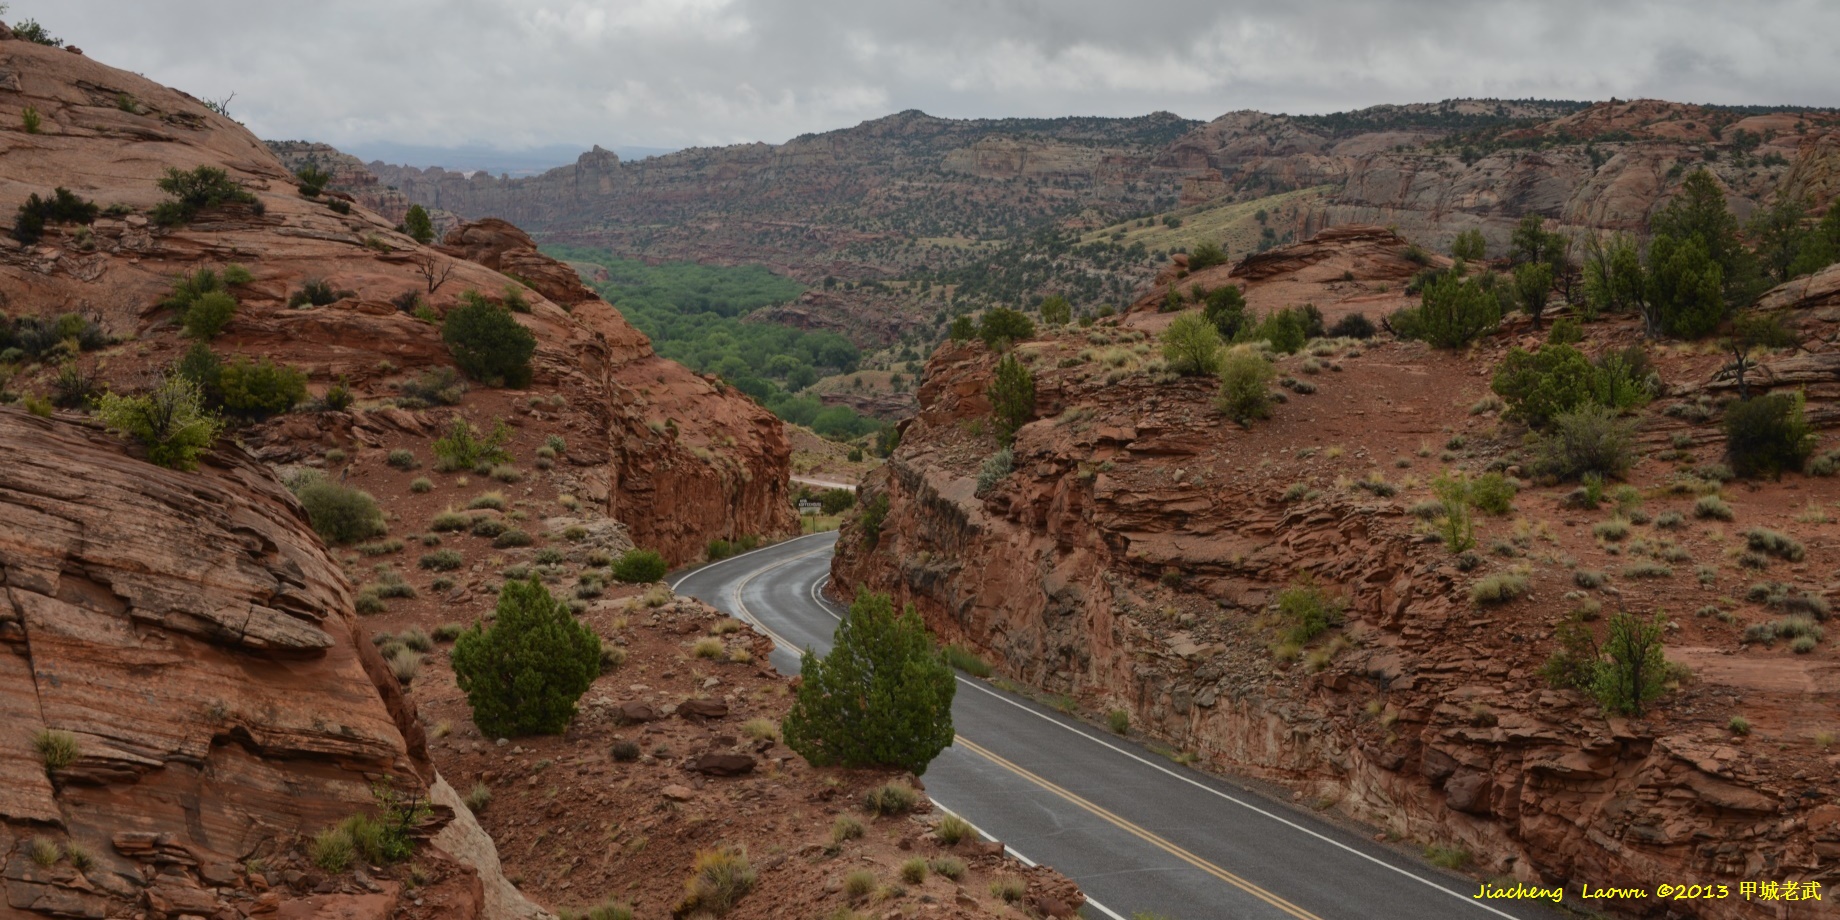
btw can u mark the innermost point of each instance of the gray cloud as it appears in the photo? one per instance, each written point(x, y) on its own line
point(521, 73)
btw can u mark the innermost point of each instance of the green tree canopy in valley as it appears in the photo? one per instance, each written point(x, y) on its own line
point(694, 315)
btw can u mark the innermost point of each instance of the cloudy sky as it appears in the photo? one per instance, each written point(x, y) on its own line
point(674, 73)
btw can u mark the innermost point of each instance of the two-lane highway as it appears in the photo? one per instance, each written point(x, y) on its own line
point(1137, 832)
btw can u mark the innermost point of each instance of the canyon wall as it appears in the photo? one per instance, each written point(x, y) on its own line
point(680, 459)
point(1133, 559)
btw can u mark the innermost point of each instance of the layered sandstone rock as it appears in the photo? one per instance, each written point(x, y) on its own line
point(678, 459)
point(192, 635)
point(1132, 558)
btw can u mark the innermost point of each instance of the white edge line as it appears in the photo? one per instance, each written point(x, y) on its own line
point(706, 567)
point(979, 685)
point(748, 615)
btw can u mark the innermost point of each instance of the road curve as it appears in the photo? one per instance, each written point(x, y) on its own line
point(1137, 832)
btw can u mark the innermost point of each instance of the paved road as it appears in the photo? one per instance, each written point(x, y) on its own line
point(1137, 832)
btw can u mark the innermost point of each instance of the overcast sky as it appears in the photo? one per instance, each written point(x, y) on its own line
point(673, 73)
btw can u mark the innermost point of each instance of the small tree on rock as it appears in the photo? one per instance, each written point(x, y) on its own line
point(170, 420)
point(1002, 327)
point(882, 697)
point(1533, 283)
point(1012, 397)
point(417, 224)
point(523, 675)
point(487, 343)
point(1637, 668)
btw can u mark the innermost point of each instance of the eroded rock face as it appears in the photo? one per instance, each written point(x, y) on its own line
point(194, 638)
point(678, 459)
point(1132, 558)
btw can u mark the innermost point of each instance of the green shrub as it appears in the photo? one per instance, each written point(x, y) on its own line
point(332, 849)
point(170, 421)
point(1565, 331)
point(442, 560)
point(340, 515)
point(948, 866)
point(1713, 507)
point(488, 345)
point(1012, 397)
point(719, 549)
point(440, 386)
point(1353, 326)
point(62, 207)
point(1245, 386)
point(1001, 326)
point(1498, 588)
point(511, 538)
point(1118, 721)
point(1647, 570)
point(1777, 544)
point(719, 879)
point(953, 829)
point(890, 799)
point(1493, 493)
point(208, 315)
point(1206, 255)
point(524, 674)
point(1191, 345)
point(56, 749)
point(418, 225)
point(1454, 311)
point(882, 697)
point(1540, 385)
point(1285, 330)
point(871, 518)
point(194, 191)
point(1308, 610)
point(967, 661)
point(996, 468)
point(1767, 435)
point(403, 459)
point(1636, 670)
point(1587, 440)
point(639, 566)
point(462, 448)
point(316, 292)
point(836, 501)
point(261, 388)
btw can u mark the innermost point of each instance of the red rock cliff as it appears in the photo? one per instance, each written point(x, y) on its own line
point(680, 460)
point(192, 635)
point(1131, 560)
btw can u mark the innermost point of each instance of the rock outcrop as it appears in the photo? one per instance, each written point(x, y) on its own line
point(191, 636)
point(679, 459)
point(1134, 557)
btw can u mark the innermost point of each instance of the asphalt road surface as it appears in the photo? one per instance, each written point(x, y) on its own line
point(1136, 831)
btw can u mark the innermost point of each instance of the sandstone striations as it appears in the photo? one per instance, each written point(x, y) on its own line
point(1134, 558)
point(193, 637)
point(678, 458)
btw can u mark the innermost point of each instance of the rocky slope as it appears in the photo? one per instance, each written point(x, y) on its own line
point(1132, 560)
point(198, 643)
point(680, 460)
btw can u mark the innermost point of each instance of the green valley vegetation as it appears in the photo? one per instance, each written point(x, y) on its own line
point(694, 314)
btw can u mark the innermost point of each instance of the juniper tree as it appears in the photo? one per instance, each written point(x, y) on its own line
point(523, 675)
point(882, 697)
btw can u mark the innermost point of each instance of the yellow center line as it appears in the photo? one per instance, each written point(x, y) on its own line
point(1142, 834)
point(1109, 817)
